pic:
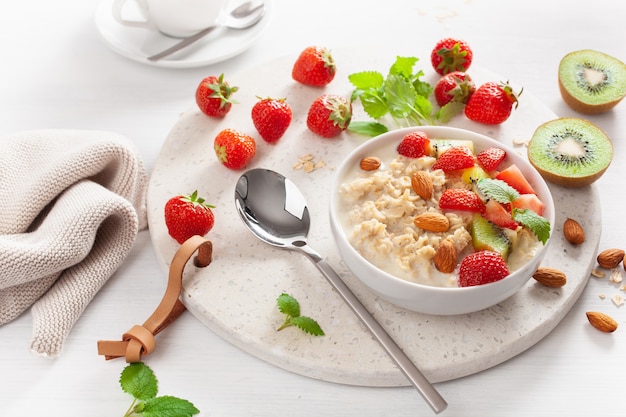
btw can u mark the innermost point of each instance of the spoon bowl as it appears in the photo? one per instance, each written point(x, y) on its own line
point(275, 211)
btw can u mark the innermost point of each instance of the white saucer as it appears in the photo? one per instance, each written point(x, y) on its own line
point(139, 43)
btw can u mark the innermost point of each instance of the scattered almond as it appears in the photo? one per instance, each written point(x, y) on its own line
point(422, 184)
point(550, 277)
point(601, 321)
point(573, 232)
point(445, 257)
point(370, 163)
point(610, 258)
point(432, 222)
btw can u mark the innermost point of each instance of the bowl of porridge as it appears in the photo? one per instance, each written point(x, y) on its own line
point(440, 220)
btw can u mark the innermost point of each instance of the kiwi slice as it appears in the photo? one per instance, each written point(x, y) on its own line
point(488, 236)
point(591, 82)
point(571, 152)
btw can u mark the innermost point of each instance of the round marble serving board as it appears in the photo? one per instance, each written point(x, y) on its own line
point(236, 295)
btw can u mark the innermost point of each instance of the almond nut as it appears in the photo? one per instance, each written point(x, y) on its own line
point(422, 184)
point(370, 163)
point(573, 232)
point(432, 222)
point(445, 257)
point(550, 277)
point(601, 321)
point(610, 258)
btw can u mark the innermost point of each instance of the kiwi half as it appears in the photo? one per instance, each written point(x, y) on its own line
point(591, 82)
point(570, 152)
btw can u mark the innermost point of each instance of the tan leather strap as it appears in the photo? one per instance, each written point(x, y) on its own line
point(139, 340)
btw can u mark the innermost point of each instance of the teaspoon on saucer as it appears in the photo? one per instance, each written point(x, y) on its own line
point(243, 16)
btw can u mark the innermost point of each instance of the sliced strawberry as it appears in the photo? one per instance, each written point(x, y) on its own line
point(414, 145)
point(497, 214)
point(482, 267)
point(461, 199)
point(490, 158)
point(457, 157)
point(513, 176)
point(531, 202)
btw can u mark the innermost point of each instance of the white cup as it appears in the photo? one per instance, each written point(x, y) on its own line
point(177, 18)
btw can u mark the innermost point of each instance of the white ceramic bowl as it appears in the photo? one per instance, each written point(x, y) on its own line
point(424, 298)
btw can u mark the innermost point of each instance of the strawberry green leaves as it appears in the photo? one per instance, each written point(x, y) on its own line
point(289, 306)
point(401, 94)
point(505, 194)
point(138, 380)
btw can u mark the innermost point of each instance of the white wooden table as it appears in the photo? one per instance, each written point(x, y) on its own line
point(56, 73)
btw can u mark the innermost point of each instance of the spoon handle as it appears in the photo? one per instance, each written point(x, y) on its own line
point(182, 44)
point(424, 387)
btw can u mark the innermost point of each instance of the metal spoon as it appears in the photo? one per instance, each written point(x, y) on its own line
point(243, 16)
point(275, 211)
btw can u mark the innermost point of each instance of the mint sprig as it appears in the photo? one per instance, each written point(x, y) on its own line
point(502, 192)
point(138, 380)
point(289, 306)
point(402, 94)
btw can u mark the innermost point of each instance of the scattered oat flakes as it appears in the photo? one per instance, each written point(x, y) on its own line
point(598, 273)
point(616, 276)
point(520, 142)
point(623, 288)
point(307, 163)
point(617, 299)
point(602, 296)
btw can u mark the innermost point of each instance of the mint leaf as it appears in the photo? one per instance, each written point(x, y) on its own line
point(374, 103)
point(366, 80)
point(402, 94)
point(403, 66)
point(138, 380)
point(371, 129)
point(168, 406)
point(308, 325)
point(288, 305)
point(537, 224)
point(448, 111)
point(497, 190)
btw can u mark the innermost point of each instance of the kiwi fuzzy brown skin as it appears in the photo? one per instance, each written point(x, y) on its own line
point(562, 177)
point(579, 103)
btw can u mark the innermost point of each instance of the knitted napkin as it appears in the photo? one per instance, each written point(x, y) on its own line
point(71, 204)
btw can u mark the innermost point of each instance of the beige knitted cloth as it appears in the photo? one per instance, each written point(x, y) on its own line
point(71, 204)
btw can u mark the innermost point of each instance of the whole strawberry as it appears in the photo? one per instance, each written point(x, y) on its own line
point(451, 54)
point(188, 215)
point(455, 86)
point(414, 145)
point(271, 118)
point(491, 103)
point(214, 96)
point(234, 149)
point(482, 267)
point(329, 115)
point(314, 66)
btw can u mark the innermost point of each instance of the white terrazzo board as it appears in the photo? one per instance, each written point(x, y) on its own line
point(236, 295)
